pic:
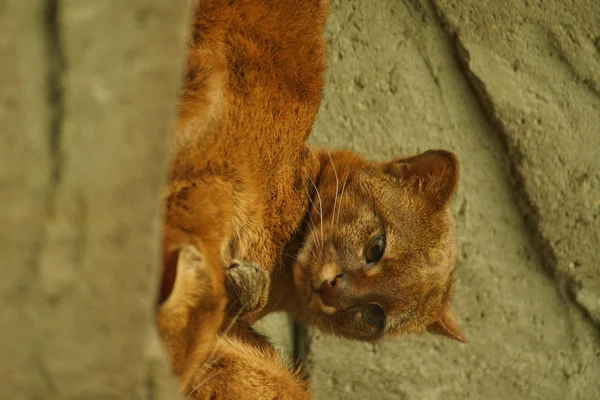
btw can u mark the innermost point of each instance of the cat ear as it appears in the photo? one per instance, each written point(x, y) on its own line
point(176, 265)
point(434, 175)
point(448, 326)
point(169, 271)
point(174, 261)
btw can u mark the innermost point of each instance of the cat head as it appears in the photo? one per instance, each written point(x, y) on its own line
point(379, 255)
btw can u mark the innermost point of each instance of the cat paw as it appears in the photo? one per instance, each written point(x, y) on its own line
point(247, 287)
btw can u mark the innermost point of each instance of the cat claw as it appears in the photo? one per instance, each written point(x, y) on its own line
point(244, 264)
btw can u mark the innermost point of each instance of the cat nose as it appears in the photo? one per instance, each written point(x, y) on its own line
point(331, 290)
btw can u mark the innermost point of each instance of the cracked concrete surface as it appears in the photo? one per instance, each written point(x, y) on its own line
point(540, 85)
point(512, 88)
point(70, 115)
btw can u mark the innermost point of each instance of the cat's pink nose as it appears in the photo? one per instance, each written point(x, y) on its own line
point(331, 290)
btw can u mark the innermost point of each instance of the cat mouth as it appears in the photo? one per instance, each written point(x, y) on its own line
point(317, 304)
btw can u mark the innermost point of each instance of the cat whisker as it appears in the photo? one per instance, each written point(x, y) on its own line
point(210, 361)
point(311, 218)
point(317, 239)
point(202, 382)
point(206, 367)
point(310, 247)
point(321, 208)
point(341, 195)
point(337, 185)
point(313, 253)
point(314, 229)
point(233, 321)
point(305, 244)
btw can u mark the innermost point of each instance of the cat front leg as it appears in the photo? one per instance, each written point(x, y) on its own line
point(247, 287)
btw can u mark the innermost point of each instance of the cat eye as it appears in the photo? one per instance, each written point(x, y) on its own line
point(375, 314)
point(374, 249)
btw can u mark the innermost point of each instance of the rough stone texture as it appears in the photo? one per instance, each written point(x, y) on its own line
point(280, 330)
point(513, 88)
point(540, 85)
point(85, 109)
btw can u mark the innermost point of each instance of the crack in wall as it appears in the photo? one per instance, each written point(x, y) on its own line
point(54, 97)
point(529, 212)
point(56, 67)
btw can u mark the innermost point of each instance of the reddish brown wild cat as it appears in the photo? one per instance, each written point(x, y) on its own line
point(357, 248)
point(361, 249)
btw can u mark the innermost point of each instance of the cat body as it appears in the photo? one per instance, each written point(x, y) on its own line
point(244, 185)
point(238, 178)
point(251, 92)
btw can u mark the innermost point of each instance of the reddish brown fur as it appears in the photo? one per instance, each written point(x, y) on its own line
point(239, 187)
point(243, 184)
point(236, 364)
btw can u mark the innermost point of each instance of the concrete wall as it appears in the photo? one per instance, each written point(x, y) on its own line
point(513, 87)
point(82, 157)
